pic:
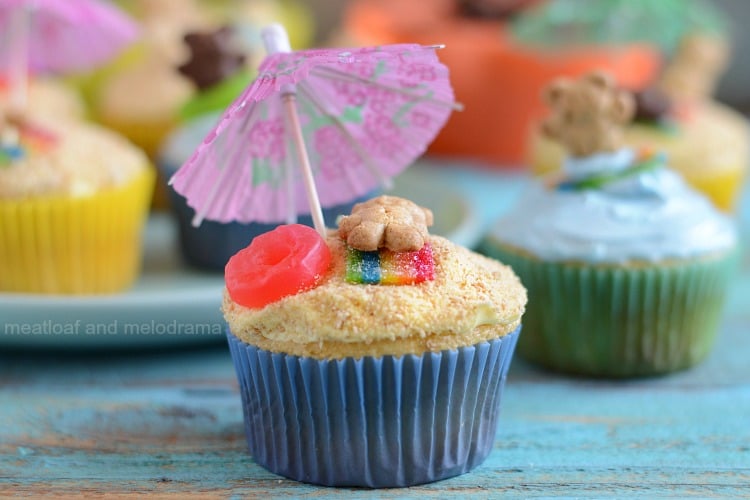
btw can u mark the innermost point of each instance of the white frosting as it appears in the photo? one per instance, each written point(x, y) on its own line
point(581, 167)
point(181, 143)
point(650, 216)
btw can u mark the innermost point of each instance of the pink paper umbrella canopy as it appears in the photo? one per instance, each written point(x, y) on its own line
point(62, 35)
point(365, 114)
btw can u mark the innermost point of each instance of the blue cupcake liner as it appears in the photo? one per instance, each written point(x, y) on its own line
point(372, 422)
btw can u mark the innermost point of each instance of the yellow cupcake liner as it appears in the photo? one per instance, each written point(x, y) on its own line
point(723, 188)
point(74, 245)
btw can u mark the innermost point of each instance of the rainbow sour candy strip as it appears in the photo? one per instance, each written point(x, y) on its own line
point(385, 267)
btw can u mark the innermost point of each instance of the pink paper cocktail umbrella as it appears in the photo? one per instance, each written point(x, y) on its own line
point(325, 125)
point(57, 36)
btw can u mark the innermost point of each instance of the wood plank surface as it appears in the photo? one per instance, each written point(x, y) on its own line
point(171, 423)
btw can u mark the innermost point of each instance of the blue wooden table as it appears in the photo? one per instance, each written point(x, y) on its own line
point(168, 421)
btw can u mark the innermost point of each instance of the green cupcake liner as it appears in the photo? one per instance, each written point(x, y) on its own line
point(619, 321)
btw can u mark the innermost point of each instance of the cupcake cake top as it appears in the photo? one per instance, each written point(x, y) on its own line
point(383, 286)
point(67, 158)
point(145, 87)
point(614, 204)
point(148, 90)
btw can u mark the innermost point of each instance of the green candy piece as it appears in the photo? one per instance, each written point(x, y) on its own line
point(598, 181)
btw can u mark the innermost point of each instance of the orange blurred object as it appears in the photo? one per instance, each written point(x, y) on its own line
point(498, 81)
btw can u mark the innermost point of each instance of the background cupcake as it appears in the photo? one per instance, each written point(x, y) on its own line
point(707, 142)
point(141, 95)
point(73, 195)
point(625, 265)
point(378, 368)
point(73, 201)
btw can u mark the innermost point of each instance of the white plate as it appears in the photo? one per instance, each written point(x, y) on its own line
point(175, 305)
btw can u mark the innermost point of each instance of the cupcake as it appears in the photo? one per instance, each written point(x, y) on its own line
point(374, 357)
point(498, 66)
point(626, 266)
point(140, 95)
point(73, 200)
point(707, 142)
point(143, 96)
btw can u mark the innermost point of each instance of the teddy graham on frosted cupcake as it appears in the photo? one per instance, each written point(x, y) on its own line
point(626, 266)
point(706, 142)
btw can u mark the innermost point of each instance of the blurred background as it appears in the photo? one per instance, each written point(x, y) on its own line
point(734, 87)
point(501, 54)
point(686, 63)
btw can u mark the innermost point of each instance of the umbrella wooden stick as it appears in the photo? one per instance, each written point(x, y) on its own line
point(276, 40)
point(290, 203)
point(290, 108)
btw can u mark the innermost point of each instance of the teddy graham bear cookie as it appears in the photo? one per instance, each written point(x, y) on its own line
point(589, 114)
point(395, 223)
